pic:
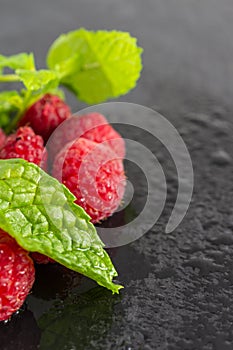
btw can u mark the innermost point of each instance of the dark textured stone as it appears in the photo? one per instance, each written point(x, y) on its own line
point(221, 158)
point(200, 119)
point(22, 332)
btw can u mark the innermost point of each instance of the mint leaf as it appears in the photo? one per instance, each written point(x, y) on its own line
point(41, 80)
point(19, 61)
point(96, 65)
point(40, 214)
point(10, 100)
point(4, 119)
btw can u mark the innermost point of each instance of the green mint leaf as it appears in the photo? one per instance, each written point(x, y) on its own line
point(41, 80)
point(4, 119)
point(96, 65)
point(19, 61)
point(10, 100)
point(40, 214)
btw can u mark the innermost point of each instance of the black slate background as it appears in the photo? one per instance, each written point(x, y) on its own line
point(178, 287)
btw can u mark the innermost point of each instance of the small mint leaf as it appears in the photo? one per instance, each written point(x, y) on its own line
point(10, 103)
point(19, 61)
point(96, 65)
point(4, 119)
point(41, 80)
point(40, 214)
point(10, 100)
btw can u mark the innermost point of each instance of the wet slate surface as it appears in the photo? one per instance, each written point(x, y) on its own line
point(179, 286)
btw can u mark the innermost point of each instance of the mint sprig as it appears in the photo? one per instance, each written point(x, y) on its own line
point(40, 214)
point(95, 66)
point(35, 83)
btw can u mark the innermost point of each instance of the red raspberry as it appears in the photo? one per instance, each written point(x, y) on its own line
point(45, 115)
point(92, 126)
point(41, 259)
point(94, 174)
point(17, 275)
point(27, 145)
point(2, 138)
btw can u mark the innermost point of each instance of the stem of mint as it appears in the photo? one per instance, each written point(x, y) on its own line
point(9, 78)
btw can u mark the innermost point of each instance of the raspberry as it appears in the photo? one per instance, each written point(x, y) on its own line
point(92, 126)
point(94, 174)
point(41, 259)
point(2, 138)
point(17, 275)
point(45, 115)
point(27, 145)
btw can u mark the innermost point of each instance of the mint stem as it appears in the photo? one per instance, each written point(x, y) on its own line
point(9, 78)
